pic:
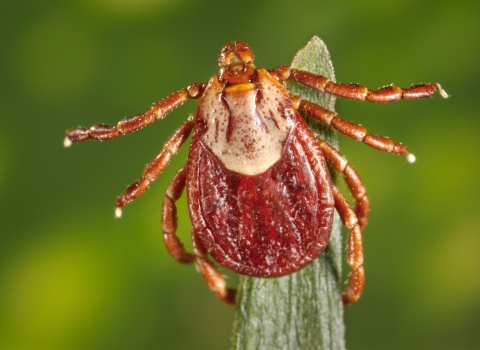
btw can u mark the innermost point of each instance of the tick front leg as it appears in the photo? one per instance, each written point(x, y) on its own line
point(158, 111)
point(355, 131)
point(170, 220)
point(156, 166)
point(353, 180)
point(356, 91)
point(211, 275)
point(354, 251)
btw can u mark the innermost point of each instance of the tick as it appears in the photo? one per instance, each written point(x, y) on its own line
point(260, 197)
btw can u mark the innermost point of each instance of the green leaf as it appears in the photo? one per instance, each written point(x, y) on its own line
point(302, 310)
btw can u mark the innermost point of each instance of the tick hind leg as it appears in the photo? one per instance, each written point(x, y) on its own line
point(211, 275)
point(170, 220)
point(354, 249)
point(215, 280)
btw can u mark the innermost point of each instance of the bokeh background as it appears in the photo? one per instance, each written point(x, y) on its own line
point(73, 277)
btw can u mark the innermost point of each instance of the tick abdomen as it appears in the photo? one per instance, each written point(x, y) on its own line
point(266, 225)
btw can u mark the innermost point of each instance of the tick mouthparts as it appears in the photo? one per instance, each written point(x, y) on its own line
point(235, 58)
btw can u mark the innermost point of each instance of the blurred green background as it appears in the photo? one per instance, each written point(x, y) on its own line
point(73, 277)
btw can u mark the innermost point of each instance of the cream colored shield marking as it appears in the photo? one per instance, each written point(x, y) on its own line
point(248, 135)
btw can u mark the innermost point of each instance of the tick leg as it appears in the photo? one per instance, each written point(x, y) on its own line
point(156, 166)
point(354, 251)
point(170, 220)
point(353, 180)
point(355, 131)
point(158, 111)
point(215, 281)
point(356, 91)
point(211, 275)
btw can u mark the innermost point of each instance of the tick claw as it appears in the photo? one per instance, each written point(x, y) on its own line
point(118, 212)
point(67, 142)
point(411, 158)
point(442, 92)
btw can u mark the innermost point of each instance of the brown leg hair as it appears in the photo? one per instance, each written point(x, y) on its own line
point(156, 166)
point(356, 91)
point(158, 111)
point(353, 180)
point(354, 251)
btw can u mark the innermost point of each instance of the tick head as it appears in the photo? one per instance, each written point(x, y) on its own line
point(236, 63)
point(235, 53)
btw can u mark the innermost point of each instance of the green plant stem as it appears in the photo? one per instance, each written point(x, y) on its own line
point(302, 310)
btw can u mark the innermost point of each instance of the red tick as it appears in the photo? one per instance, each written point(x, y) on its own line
point(259, 193)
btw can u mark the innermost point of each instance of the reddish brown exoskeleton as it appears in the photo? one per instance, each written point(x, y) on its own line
point(260, 196)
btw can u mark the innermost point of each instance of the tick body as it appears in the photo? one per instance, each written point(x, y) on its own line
point(259, 193)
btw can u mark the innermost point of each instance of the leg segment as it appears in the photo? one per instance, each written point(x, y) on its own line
point(355, 249)
point(169, 219)
point(356, 91)
point(211, 275)
point(214, 279)
point(156, 166)
point(355, 131)
point(158, 111)
point(353, 180)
